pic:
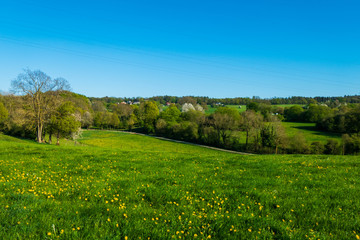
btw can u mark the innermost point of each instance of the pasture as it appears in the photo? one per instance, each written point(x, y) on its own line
point(310, 132)
point(124, 186)
point(236, 107)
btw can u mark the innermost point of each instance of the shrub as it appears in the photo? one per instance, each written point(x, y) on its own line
point(317, 148)
point(332, 147)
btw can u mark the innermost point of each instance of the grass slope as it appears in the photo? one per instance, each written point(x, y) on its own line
point(236, 107)
point(123, 186)
point(310, 132)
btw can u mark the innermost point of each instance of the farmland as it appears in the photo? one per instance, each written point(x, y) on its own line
point(124, 186)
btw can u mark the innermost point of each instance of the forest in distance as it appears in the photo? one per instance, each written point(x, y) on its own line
point(44, 108)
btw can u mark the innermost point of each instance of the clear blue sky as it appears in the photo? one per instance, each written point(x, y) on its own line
point(203, 48)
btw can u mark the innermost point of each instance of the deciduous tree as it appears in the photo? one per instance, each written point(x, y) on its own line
point(41, 90)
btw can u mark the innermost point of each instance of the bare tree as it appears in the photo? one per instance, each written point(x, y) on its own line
point(41, 90)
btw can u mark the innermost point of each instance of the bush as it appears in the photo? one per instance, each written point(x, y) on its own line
point(332, 147)
point(351, 144)
point(317, 148)
point(298, 144)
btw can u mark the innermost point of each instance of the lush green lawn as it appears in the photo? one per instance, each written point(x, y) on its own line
point(124, 186)
point(310, 132)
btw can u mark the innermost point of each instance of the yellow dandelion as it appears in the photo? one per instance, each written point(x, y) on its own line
point(49, 233)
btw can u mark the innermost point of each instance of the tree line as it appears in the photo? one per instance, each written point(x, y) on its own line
point(45, 108)
point(329, 101)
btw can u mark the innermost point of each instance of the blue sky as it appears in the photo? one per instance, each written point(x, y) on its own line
point(203, 48)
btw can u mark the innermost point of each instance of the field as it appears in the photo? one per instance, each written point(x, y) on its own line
point(124, 186)
point(236, 107)
point(310, 132)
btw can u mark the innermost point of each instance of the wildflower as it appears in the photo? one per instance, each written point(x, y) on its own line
point(49, 233)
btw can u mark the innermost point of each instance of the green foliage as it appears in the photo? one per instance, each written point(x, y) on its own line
point(298, 144)
point(294, 113)
point(317, 148)
point(254, 106)
point(332, 147)
point(149, 113)
point(3, 113)
point(317, 113)
point(351, 144)
point(171, 115)
point(64, 123)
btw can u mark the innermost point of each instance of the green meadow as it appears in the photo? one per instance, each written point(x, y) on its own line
point(236, 107)
point(310, 132)
point(116, 185)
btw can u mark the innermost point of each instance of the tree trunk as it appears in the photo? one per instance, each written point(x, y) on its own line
point(39, 133)
point(276, 149)
point(58, 138)
point(247, 138)
point(50, 135)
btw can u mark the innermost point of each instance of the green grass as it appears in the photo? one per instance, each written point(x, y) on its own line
point(117, 185)
point(236, 107)
point(310, 132)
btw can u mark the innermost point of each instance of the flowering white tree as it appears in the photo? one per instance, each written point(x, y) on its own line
point(187, 107)
point(199, 108)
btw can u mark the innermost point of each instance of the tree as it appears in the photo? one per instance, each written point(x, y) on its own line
point(298, 144)
point(115, 122)
point(149, 113)
point(87, 120)
point(64, 122)
point(251, 120)
point(332, 147)
point(171, 114)
point(187, 107)
point(41, 90)
point(3, 112)
point(224, 121)
point(294, 113)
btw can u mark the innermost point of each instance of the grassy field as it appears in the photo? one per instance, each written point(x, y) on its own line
point(236, 107)
point(310, 132)
point(124, 186)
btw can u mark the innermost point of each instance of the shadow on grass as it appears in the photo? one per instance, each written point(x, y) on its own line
point(318, 132)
